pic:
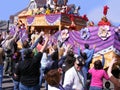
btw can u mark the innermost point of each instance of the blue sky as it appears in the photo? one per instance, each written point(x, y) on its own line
point(93, 9)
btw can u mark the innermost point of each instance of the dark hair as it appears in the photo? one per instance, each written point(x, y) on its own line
point(41, 40)
point(83, 54)
point(55, 55)
point(86, 46)
point(70, 53)
point(68, 63)
point(25, 44)
point(27, 53)
point(116, 72)
point(98, 65)
point(107, 84)
point(70, 60)
point(46, 50)
point(53, 77)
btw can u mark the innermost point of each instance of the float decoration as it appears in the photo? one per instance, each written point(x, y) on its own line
point(64, 35)
point(12, 30)
point(117, 32)
point(84, 33)
point(104, 32)
point(30, 20)
point(51, 19)
point(105, 10)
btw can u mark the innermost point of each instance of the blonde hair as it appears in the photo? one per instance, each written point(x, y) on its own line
point(61, 52)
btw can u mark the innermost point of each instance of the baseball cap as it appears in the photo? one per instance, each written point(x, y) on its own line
point(80, 61)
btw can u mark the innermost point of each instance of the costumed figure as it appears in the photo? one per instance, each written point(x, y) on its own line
point(65, 2)
point(55, 2)
point(71, 9)
point(48, 11)
point(73, 25)
point(50, 3)
point(63, 10)
point(43, 9)
point(76, 12)
point(104, 20)
point(60, 3)
point(85, 17)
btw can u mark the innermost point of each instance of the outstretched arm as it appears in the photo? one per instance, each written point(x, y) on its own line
point(110, 67)
point(103, 59)
point(37, 41)
point(45, 44)
point(15, 35)
point(114, 80)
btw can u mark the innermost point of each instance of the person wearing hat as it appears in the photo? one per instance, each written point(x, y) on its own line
point(74, 77)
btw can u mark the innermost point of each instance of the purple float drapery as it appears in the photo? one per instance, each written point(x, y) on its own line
point(30, 20)
point(52, 18)
point(94, 39)
point(22, 33)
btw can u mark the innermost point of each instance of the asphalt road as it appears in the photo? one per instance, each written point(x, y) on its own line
point(7, 83)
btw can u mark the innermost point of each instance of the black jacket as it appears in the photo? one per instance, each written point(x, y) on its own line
point(28, 70)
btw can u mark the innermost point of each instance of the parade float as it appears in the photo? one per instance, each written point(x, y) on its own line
point(51, 16)
point(105, 36)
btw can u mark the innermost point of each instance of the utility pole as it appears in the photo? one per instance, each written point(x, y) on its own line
point(8, 22)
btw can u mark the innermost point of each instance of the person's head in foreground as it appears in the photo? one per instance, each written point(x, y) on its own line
point(53, 77)
point(79, 63)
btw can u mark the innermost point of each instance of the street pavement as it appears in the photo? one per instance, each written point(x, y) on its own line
point(7, 83)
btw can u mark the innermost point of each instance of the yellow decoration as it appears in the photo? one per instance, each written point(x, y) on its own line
point(47, 11)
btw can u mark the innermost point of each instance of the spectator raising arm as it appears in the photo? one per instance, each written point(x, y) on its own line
point(113, 79)
point(45, 44)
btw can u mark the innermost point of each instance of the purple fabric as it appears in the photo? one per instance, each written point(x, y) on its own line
point(23, 35)
point(30, 20)
point(94, 39)
point(52, 18)
point(12, 30)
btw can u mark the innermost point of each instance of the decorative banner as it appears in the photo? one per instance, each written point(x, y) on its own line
point(104, 32)
point(117, 32)
point(23, 35)
point(30, 20)
point(12, 30)
point(102, 46)
point(84, 33)
point(64, 35)
point(51, 19)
